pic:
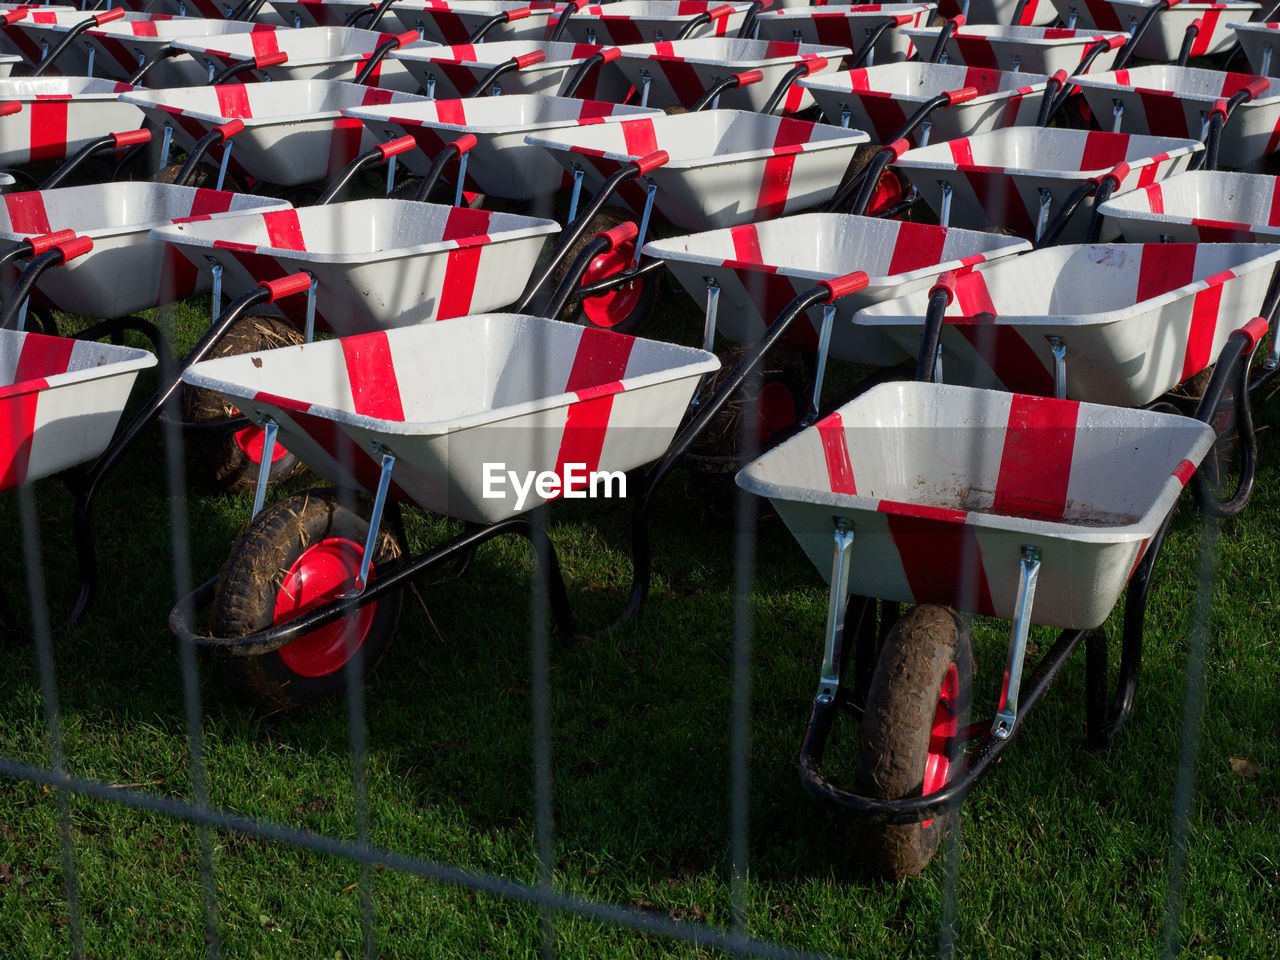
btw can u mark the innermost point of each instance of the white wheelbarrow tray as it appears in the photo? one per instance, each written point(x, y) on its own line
point(760, 267)
point(60, 400)
point(987, 193)
point(1163, 39)
point(1035, 13)
point(41, 30)
point(452, 399)
point(1040, 50)
point(294, 131)
point(377, 263)
point(846, 25)
point(1136, 319)
point(501, 164)
point(627, 22)
point(1200, 206)
point(1169, 101)
point(60, 115)
point(880, 99)
point(447, 73)
point(1259, 42)
point(122, 47)
point(7, 62)
point(942, 486)
point(126, 271)
point(726, 167)
point(679, 73)
point(315, 53)
point(451, 22)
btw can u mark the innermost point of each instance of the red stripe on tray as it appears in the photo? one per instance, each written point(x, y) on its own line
point(1165, 116)
point(48, 129)
point(462, 266)
point(1035, 467)
point(233, 101)
point(639, 137)
point(27, 213)
point(371, 371)
point(1103, 150)
point(746, 243)
point(264, 42)
point(976, 51)
point(1204, 324)
point(683, 79)
point(43, 357)
point(464, 223)
point(451, 111)
point(917, 245)
point(1165, 267)
point(775, 183)
point(599, 364)
point(835, 449)
point(344, 143)
point(1155, 198)
point(17, 427)
point(940, 556)
point(1184, 471)
point(1273, 217)
point(208, 202)
point(283, 230)
point(1209, 18)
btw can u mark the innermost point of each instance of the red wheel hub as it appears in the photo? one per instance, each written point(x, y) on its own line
point(888, 193)
point(942, 731)
point(612, 308)
point(324, 571)
point(777, 409)
point(251, 440)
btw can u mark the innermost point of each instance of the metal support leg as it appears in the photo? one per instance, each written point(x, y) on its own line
point(1117, 115)
point(845, 114)
point(1266, 59)
point(644, 88)
point(944, 217)
point(375, 520)
point(1059, 348)
point(92, 50)
point(215, 300)
point(165, 143)
point(462, 178)
point(1042, 218)
point(1015, 64)
point(269, 430)
point(309, 323)
point(1028, 572)
point(431, 86)
point(1072, 19)
point(713, 308)
point(925, 128)
point(837, 602)
point(824, 348)
point(577, 193)
point(937, 365)
point(650, 188)
point(226, 158)
point(391, 176)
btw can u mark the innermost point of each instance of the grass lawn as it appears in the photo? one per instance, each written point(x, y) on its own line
point(1063, 852)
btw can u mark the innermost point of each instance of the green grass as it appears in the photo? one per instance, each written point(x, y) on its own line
point(1064, 852)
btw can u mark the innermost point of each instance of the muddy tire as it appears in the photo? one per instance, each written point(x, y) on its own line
point(297, 554)
point(625, 310)
point(227, 458)
point(917, 704)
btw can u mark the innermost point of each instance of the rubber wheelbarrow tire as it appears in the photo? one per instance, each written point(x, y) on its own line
point(298, 537)
point(621, 311)
point(926, 654)
point(219, 458)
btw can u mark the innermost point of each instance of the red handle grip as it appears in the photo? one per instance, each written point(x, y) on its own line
point(9, 108)
point(947, 284)
point(720, 12)
point(13, 16)
point(577, 4)
point(748, 77)
point(286, 286)
point(814, 64)
point(904, 18)
point(229, 129)
point(1061, 77)
point(652, 162)
point(115, 13)
point(519, 14)
point(963, 95)
point(843, 286)
point(621, 234)
point(393, 148)
point(1115, 41)
point(48, 241)
point(1256, 87)
point(131, 138)
point(273, 59)
point(1219, 106)
point(1174, 3)
point(464, 143)
point(1255, 330)
point(76, 247)
point(898, 147)
point(609, 54)
point(406, 38)
point(958, 20)
point(1117, 173)
point(529, 59)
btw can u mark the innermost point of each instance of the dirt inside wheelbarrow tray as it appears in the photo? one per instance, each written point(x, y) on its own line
point(1062, 852)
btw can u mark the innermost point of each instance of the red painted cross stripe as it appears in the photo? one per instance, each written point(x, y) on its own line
point(466, 223)
point(1204, 324)
point(451, 111)
point(835, 449)
point(1165, 267)
point(264, 42)
point(940, 556)
point(208, 202)
point(27, 213)
point(233, 101)
point(48, 129)
point(1103, 150)
point(917, 245)
point(1155, 198)
point(1184, 470)
point(1273, 217)
point(1035, 465)
point(43, 357)
point(283, 230)
point(599, 363)
point(375, 391)
point(143, 28)
point(639, 137)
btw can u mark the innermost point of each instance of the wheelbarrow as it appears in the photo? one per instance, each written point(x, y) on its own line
point(967, 182)
point(1258, 41)
point(123, 49)
point(1169, 101)
point(312, 53)
point(501, 164)
point(1201, 206)
point(7, 62)
point(517, 66)
point(451, 23)
point(1038, 50)
point(881, 99)
point(1163, 30)
point(579, 405)
point(53, 40)
point(627, 22)
point(1011, 13)
point(871, 31)
point(56, 116)
point(680, 73)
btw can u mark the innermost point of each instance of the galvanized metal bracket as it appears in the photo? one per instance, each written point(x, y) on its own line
point(269, 430)
point(1059, 348)
point(944, 218)
point(577, 193)
point(650, 188)
point(824, 350)
point(375, 521)
point(837, 602)
point(1042, 217)
point(1028, 573)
